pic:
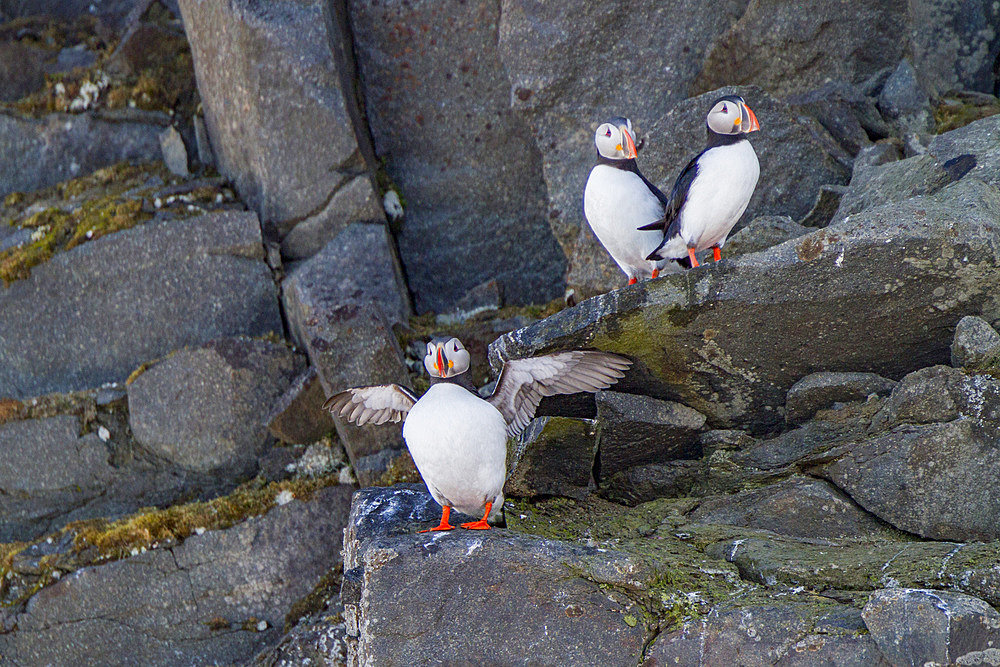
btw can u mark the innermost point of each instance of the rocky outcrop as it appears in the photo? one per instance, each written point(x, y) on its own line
point(552, 456)
point(298, 416)
point(730, 339)
point(95, 313)
point(821, 390)
point(976, 344)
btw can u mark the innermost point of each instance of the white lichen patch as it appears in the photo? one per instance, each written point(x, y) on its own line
point(284, 497)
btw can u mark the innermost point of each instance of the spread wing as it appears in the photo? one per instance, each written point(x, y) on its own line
point(525, 382)
point(372, 405)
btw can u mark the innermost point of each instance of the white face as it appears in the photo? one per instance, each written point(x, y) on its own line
point(732, 116)
point(443, 360)
point(616, 141)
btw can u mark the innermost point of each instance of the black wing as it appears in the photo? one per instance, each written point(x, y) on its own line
point(671, 218)
point(372, 405)
point(524, 382)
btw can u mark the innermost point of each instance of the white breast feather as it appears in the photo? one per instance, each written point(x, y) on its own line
point(459, 443)
point(615, 202)
point(727, 176)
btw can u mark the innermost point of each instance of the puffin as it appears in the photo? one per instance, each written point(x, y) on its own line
point(618, 198)
point(458, 440)
point(713, 190)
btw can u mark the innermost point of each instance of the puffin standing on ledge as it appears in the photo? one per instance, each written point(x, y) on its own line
point(713, 190)
point(457, 439)
point(618, 198)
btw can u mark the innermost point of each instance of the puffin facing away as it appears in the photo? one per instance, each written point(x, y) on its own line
point(618, 198)
point(457, 439)
point(713, 190)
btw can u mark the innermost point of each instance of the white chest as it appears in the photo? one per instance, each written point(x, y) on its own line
point(727, 176)
point(615, 202)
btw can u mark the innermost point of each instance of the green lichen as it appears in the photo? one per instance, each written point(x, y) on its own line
point(401, 470)
point(955, 112)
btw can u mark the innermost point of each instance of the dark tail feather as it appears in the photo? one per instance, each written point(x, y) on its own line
point(655, 255)
point(653, 225)
point(684, 262)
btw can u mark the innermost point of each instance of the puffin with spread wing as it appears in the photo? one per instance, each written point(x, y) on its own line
point(458, 440)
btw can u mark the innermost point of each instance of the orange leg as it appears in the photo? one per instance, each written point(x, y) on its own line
point(656, 274)
point(481, 524)
point(694, 260)
point(716, 252)
point(444, 525)
point(632, 281)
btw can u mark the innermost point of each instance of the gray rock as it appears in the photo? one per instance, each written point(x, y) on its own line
point(318, 640)
point(763, 233)
point(204, 145)
point(569, 81)
point(978, 139)
point(903, 102)
point(298, 416)
point(634, 430)
point(13, 236)
point(976, 344)
point(465, 166)
point(22, 68)
point(787, 49)
point(954, 45)
point(937, 255)
point(553, 456)
point(821, 390)
point(825, 207)
point(356, 267)
point(788, 634)
point(205, 409)
point(892, 182)
point(57, 147)
point(93, 314)
point(411, 595)
point(877, 154)
point(175, 154)
point(846, 112)
point(482, 298)
point(165, 606)
point(921, 627)
point(47, 468)
point(289, 150)
point(640, 484)
point(354, 201)
point(938, 394)
point(797, 507)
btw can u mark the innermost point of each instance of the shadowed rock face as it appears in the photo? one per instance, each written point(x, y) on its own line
point(880, 292)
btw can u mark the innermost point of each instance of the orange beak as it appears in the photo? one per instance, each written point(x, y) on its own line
point(441, 367)
point(630, 151)
point(754, 125)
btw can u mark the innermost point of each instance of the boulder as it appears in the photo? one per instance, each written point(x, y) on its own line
point(797, 507)
point(913, 269)
point(270, 78)
point(634, 430)
point(298, 416)
point(826, 205)
point(763, 233)
point(355, 201)
point(40, 152)
point(408, 596)
point(216, 598)
point(978, 139)
point(846, 112)
point(46, 469)
point(795, 48)
point(566, 76)
point(954, 45)
point(821, 390)
point(175, 153)
point(976, 344)
point(903, 102)
point(643, 483)
point(553, 456)
point(465, 166)
point(921, 627)
point(940, 394)
point(94, 313)
point(205, 409)
point(356, 267)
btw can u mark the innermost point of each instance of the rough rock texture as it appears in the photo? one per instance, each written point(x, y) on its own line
point(846, 112)
point(552, 456)
point(407, 596)
point(464, 167)
point(821, 390)
point(298, 416)
point(356, 267)
point(567, 76)
point(196, 603)
point(353, 202)
point(915, 268)
point(643, 483)
point(633, 430)
point(93, 314)
point(933, 479)
point(47, 468)
point(319, 640)
point(800, 635)
point(279, 122)
point(763, 233)
point(976, 344)
point(205, 408)
point(903, 102)
point(39, 152)
point(978, 139)
point(797, 507)
point(954, 44)
point(788, 48)
point(920, 627)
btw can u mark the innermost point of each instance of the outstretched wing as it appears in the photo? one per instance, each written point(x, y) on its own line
point(372, 405)
point(525, 382)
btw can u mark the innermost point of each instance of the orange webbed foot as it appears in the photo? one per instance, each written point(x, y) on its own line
point(481, 524)
point(444, 525)
point(694, 260)
point(632, 281)
point(656, 274)
point(716, 253)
